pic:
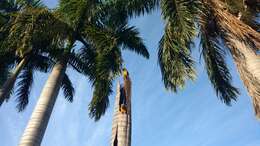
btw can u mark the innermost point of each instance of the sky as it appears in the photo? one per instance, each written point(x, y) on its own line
point(192, 117)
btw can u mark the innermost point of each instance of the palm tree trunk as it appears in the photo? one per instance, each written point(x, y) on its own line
point(9, 83)
point(37, 125)
point(237, 36)
point(248, 65)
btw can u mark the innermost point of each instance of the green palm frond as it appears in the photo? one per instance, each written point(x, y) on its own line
point(104, 66)
point(4, 74)
point(9, 6)
point(130, 39)
point(28, 25)
point(176, 64)
point(174, 53)
point(218, 72)
point(88, 55)
point(24, 86)
point(77, 12)
point(101, 38)
point(100, 100)
point(111, 14)
point(7, 61)
point(135, 7)
point(41, 63)
point(68, 89)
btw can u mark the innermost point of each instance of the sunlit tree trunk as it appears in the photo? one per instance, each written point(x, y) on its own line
point(37, 125)
point(248, 65)
point(9, 83)
point(237, 36)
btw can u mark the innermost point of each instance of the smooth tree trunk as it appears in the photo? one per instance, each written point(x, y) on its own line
point(37, 125)
point(9, 83)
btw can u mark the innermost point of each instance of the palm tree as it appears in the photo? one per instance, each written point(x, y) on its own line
point(107, 62)
point(219, 24)
point(88, 28)
point(13, 25)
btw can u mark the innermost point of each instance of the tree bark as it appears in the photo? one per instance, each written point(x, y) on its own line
point(238, 36)
point(248, 65)
point(37, 125)
point(9, 83)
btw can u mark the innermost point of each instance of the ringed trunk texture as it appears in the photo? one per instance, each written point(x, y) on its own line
point(248, 65)
point(244, 42)
point(9, 83)
point(37, 125)
point(122, 122)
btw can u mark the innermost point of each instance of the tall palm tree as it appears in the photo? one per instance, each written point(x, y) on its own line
point(90, 30)
point(14, 15)
point(218, 22)
point(243, 43)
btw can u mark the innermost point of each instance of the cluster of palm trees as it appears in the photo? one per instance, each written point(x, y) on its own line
point(35, 38)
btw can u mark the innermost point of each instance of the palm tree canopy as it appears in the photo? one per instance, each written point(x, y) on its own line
point(183, 19)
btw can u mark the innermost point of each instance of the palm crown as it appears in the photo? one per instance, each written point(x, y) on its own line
point(216, 21)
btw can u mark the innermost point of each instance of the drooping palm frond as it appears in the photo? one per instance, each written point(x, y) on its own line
point(218, 72)
point(77, 12)
point(176, 64)
point(12, 6)
point(28, 25)
point(41, 63)
point(100, 100)
point(134, 7)
point(174, 53)
point(130, 39)
point(104, 66)
point(24, 86)
point(7, 61)
point(77, 63)
point(4, 73)
point(214, 54)
point(68, 89)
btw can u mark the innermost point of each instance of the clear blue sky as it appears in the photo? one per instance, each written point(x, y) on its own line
point(193, 117)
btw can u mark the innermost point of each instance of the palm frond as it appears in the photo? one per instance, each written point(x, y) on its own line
point(100, 99)
point(68, 89)
point(41, 63)
point(175, 63)
point(79, 63)
point(174, 54)
point(77, 12)
point(23, 88)
point(218, 72)
point(130, 39)
point(135, 7)
point(4, 73)
point(7, 61)
point(101, 38)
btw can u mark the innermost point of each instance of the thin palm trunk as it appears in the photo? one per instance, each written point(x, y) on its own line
point(9, 83)
point(37, 125)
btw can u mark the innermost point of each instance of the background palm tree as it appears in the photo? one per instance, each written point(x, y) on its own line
point(26, 47)
point(90, 29)
point(15, 27)
point(220, 30)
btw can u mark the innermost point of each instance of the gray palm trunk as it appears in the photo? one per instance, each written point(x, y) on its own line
point(37, 125)
point(9, 83)
point(122, 122)
point(248, 65)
